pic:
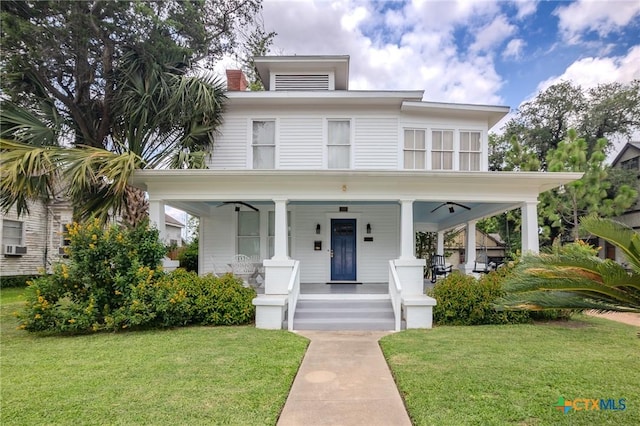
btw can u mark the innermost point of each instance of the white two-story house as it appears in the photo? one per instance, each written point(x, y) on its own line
point(325, 187)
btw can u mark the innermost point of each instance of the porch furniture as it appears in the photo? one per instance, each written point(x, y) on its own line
point(483, 264)
point(439, 267)
point(243, 267)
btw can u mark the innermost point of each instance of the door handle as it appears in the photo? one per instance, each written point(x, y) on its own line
point(331, 253)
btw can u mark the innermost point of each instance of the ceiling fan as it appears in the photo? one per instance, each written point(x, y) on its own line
point(451, 205)
point(238, 204)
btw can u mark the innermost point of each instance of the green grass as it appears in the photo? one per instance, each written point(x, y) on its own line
point(194, 375)
point(12, 294)
point(495, 375)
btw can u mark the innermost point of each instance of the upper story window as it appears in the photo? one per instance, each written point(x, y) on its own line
point(263, 143)
point(249, 233)
point(442, 150)
point(470, 150)
point(415, 149)
point(631, 164)
point(12, 233)
point(339, 144)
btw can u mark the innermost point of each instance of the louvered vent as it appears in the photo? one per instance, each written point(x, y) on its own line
point(302, 82)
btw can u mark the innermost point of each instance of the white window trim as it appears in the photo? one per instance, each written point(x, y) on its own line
point(276, 137)
point(427, 156)
point(325, 138)
point(22, 230)
point(454, 151)
point(481, 151)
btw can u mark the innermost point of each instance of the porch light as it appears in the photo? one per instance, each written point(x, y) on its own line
point(451, 209)
point(368, 228)
point(318, 229)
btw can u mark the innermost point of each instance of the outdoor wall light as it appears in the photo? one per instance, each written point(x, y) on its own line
point(368, 228)
point(318, 229)
point(451, 209)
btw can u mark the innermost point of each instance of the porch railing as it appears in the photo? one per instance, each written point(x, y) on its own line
point(293, 289)
point(395, 292)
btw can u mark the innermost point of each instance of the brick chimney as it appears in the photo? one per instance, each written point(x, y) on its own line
point(236, 81)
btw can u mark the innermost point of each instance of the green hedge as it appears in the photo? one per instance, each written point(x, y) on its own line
point(465, 300)
point(16, 280)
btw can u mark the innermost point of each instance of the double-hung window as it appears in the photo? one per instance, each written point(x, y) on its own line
point(249, 233)
point(414, 149)
point(442, 150)
point(339, 144)
point(470, 150)
point(263, 143)
point(12, 232)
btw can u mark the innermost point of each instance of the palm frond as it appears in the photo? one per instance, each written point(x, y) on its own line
point(618, 234)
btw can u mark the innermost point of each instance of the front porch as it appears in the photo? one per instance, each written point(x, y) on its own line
point(318, 227)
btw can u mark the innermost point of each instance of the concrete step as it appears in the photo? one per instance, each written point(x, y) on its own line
point(340, 314)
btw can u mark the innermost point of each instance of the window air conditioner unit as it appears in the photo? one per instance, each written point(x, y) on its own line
point(11, 250)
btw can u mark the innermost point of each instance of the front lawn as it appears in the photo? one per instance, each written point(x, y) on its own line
point(193, 375)
point(494, 375)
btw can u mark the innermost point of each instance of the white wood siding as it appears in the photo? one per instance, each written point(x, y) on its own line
point(301, 143)
point(376, 143)
point(231, 144)
point(219, 232)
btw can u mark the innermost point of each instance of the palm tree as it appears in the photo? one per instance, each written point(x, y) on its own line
point(570, 279)
point(162, 116)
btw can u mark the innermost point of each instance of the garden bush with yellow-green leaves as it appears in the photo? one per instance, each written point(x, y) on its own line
point(113, 281)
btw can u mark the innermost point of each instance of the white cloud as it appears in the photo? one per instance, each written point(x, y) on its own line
point(492, 35)
point(589, 72)
point(526, 8)
point(514, 49)
point(600, 16)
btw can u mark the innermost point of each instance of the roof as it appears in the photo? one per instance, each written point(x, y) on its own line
point(338, 64)
point(629, 145)
point(170, 220)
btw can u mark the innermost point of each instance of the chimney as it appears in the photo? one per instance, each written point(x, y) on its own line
point(236, 81)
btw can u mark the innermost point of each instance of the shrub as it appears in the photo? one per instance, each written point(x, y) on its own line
point(465, 300)
point(16, 280)
point(188, 256)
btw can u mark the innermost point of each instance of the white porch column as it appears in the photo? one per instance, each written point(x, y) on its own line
point(407, 236)
point(156, 217)
point(440, 243)
point(470, 247)
point(271, 307)
point(530, 241)
point(281, 237)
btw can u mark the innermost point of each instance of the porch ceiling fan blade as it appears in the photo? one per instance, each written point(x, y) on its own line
point(451, 204)
point(242, 203)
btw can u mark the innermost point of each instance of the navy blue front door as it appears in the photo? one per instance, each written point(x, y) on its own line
point(343, 249)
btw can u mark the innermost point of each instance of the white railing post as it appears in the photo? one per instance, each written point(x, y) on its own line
point(395, 292)
point(293, 289)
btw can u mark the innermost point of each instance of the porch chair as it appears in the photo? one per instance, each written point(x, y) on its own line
point(439, 267)
point(243, 267)
point(483, 264)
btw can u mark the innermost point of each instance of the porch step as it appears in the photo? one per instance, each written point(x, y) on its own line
point(330, 313)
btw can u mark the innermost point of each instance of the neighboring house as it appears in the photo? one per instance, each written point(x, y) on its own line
point(173, 231)
point(34, 242)
point(489, 246)
point(628, 158)
point(320, 184)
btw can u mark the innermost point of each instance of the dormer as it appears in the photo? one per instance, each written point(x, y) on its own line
point(303, 73)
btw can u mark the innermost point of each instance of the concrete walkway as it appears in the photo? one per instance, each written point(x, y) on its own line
point(344, 380)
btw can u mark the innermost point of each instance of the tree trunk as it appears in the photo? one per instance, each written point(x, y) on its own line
point(136, 208)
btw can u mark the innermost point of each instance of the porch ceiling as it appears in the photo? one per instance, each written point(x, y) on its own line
point(486, 193)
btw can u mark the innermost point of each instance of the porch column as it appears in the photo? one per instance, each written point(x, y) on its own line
point(281, 237)
point(271, 307)
point(440, 243)
point(156, 217)
point(530, 227)
point(470, 246)
point(407, 236)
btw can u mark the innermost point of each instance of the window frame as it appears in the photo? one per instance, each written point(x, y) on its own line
point(22, 242)
point(439, 153)
point(253, 237)
point(253, 146)
point(467, 167)
point(329, 145)
point(414, 150)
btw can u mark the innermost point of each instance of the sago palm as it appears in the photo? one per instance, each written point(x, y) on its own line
point(163, 117)
point(572, 279)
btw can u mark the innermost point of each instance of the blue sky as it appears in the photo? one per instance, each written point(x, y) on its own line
point(488, 52)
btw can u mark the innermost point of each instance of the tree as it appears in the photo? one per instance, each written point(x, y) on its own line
point(563, 207)
point(572, 277)
point(119, 76)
